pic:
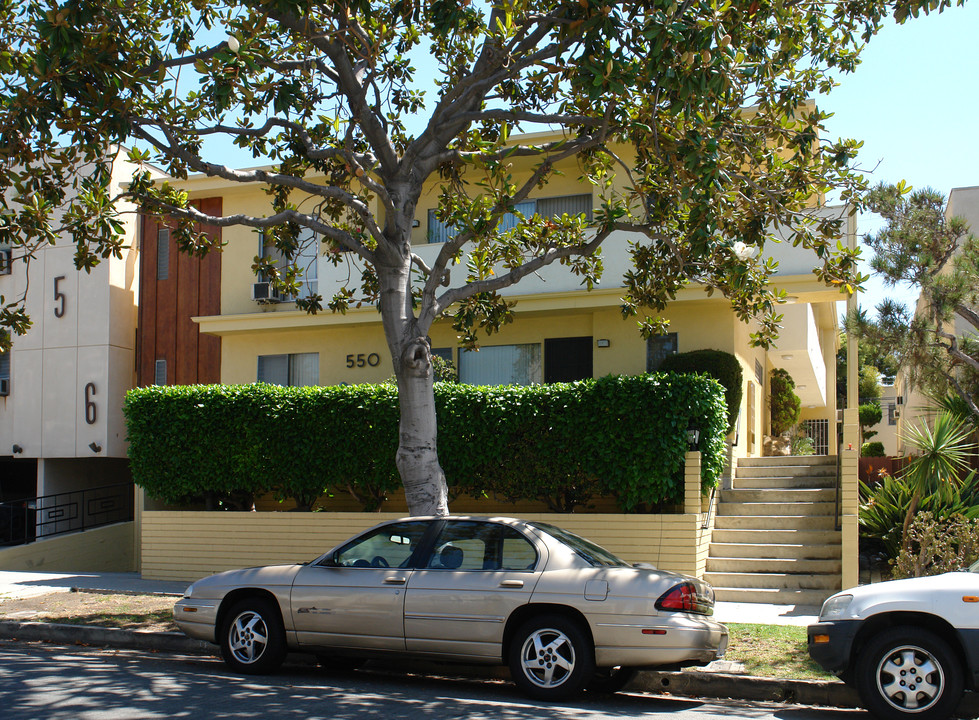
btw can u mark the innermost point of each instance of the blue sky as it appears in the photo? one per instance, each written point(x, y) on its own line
point(914, 101)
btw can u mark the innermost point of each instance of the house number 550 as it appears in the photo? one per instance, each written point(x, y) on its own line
point(360, 360)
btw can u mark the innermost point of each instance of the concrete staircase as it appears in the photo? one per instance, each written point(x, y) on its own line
point(774, 539)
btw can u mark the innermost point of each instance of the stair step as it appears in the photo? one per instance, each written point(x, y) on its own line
point(776, 538)
point(769, 509)
point(774, 522)
point(808, 460)
point(778, 495)
point(823, 471)
point(813, 551)
point(791, 581)
point(810, 599)
point(777, 482)
point(788, 566)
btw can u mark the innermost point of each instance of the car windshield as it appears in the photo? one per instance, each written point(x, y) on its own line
point(592, 554)
point(974, 567)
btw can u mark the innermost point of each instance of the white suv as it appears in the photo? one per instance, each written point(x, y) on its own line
point(909, 647)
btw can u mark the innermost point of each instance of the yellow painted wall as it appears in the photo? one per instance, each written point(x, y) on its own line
point(189, 545)
point(105, 549)
point(700, 324)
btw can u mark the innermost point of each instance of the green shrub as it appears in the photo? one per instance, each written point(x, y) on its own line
point(872, 449)
point(802, 444)
point(720, 365)
point(885, 502)
point(786, 406)
point(563, 444)
point(938, 545)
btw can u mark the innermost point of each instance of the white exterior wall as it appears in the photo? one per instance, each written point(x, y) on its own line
point(89, 343)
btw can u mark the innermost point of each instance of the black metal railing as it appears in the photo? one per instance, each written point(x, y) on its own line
point(46, 516)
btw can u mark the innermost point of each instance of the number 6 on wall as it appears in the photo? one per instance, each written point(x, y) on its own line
point(90, 413)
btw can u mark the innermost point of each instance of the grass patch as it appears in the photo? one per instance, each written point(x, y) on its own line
point(779, 651)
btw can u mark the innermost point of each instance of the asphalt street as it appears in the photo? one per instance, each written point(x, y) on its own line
point(49, 682)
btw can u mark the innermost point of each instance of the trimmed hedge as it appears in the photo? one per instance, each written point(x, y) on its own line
point(563, 444)
point(722, 366)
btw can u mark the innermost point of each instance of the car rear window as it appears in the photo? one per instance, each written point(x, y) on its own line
point(591, 553)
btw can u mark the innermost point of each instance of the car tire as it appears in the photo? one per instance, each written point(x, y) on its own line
point(551, 658)
point(909, 672)
point(607, 681)
point(253, 639)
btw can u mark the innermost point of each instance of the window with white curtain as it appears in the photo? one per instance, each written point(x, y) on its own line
point(501, 365)
point(295, 370)
point(306, 259)
point(439, 232)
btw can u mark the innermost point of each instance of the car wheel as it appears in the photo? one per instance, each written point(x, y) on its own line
point(610, 680)
point(551, 658)
point(909, 672)
point(253, 639)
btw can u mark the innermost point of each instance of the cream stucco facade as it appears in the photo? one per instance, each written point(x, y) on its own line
point(61, 422)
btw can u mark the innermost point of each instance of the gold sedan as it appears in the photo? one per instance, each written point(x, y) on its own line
point(562, 612)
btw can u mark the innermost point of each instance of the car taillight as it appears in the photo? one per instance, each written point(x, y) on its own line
point(682, 597)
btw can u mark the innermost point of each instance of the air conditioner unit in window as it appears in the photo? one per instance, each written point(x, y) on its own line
point(263, 292)
point(4, 387)
point(5, 261)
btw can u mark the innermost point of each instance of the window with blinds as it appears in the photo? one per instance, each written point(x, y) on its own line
point(295, 370)
point(501, 365)
point(439, 232)
point(306, 259)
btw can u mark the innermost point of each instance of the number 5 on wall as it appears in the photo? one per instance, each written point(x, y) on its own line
point(59, 298)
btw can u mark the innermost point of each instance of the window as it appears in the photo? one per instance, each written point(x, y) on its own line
point(160, 372)
point(657, 348)
point(5, 373)
point(388, 546)
point(759, 373)
point(892, 413)
point(466, 545)
point(439, 232)
point(6, 258)
point(306, 259)
point(162, 254)
point(296, 370)
point(444, 353)
point(501, 365)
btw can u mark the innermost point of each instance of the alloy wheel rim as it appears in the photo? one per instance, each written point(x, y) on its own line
point(547, 658)
point(248, 637)
point(910, 679)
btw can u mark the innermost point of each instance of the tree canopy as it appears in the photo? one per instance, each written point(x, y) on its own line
point(702, 107)
point(921, 246)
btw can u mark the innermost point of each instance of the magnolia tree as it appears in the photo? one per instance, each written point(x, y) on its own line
point(701, 107)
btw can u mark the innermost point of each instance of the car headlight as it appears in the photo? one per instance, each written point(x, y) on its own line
point(189, 592)
point(835, 607)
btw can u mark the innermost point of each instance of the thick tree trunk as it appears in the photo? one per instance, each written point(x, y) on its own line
point(417, 460)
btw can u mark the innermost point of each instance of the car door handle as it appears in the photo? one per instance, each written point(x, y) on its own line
point(394, 580)
point(512, 583)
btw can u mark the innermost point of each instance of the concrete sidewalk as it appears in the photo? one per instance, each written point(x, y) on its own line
point(26, 584)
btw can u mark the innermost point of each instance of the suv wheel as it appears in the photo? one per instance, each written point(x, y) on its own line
point(909, 672)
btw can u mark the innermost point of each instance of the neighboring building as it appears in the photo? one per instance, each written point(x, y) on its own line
point(62, 383)
point(561, 332)
point(917, 408)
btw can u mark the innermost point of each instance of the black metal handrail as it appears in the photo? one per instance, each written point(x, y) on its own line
point(38, 518)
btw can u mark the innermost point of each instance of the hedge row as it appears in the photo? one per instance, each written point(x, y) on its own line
point(564, 443)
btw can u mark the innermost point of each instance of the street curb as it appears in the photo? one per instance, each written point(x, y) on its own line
point(826, 693)
point(105, 637)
